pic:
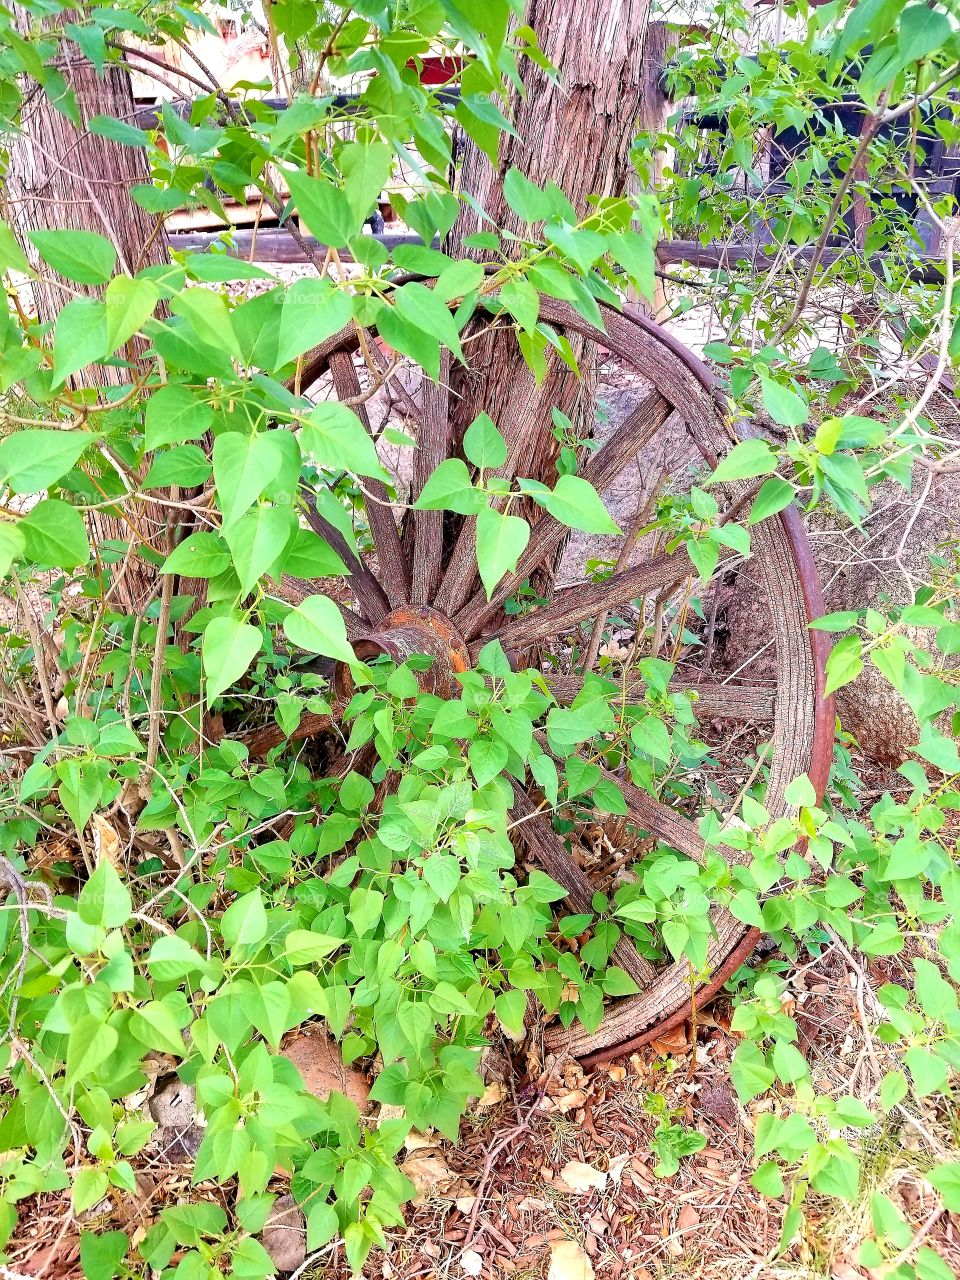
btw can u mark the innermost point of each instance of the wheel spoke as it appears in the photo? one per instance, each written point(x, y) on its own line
point(659, 819)
point(747, 702)
point(546, 535)
point(548, 849)
point(262, 740)
point(585, 600)
point(525, 411)
point(433, 444)
point(371, 597)
point(383, 527)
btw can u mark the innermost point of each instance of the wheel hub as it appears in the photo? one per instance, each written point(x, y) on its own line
point(410, 630)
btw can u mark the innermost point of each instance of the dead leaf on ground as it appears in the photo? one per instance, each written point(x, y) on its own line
point(428, 1171)
point(564, 1102)
point(688, 1218)
point(471, 1263)
point(580, 1177)
point(569, 1262)
point(106, 842)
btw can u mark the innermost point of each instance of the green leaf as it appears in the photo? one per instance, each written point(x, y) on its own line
point(366, 168)
point(575, 502)
point(312, 311)
point(173, 415)
point(54, 535)
point(922, 31)
point(511, 1008)
point(201, 555)
point(11, 255)
point(335, 438)
point(105, 899)
point(172, 958)
point(930, 1073)
point(617, 982)
point(89, 1045)
point(129, 304)
point(938, 749)
point(768, 1180)
point(155, 1026)
point(101, 1253)
point(80, 338)
point(483, 444)
point(745, 460)
point(216, 268)
point(324, 208)
point(845, 662)
point(488, 758)
point(839, 1177)
point(310, 556)
point(185, 465)
point(90, 1185)
point(303, 946)
point(637, 255)
point(783, 405)
point(449, 488)
point(651, 736)
point(775, 494)
point(244, 922)
point(526, 199)
point(608, 798)
point(257, 326)
point(582, 247)
point(317, 626)
point(32, 460)
point(12, 546)
point(257, 541)
point(501, 540)
point(243, 466)
point(750, 1072)
point(522, 301)
point(946, 1179)
point(424, 309)
point(82, 256)
point(442, 873)
point(229, 646)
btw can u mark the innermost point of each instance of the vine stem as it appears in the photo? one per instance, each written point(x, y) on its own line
point(867, 134)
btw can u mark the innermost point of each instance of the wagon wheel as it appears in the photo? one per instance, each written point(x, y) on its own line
point(419, 592)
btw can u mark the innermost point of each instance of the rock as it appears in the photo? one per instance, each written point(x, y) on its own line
point(285, 1235)
point(174, 1107)
point(318, 1060)
point(716, 1102)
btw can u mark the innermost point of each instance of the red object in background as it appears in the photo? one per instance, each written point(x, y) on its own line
point(437, 70)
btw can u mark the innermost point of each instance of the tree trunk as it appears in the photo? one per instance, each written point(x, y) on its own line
point(62, 177)
point(578, 134)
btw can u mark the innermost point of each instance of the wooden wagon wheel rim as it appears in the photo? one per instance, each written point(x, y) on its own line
point(412, 605)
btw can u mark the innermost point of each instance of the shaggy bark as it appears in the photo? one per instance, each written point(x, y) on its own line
point(578, 134)
point(63, 177)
